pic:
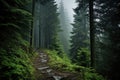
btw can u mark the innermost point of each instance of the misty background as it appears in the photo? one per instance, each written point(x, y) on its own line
point(65, 10)
point(69, 5)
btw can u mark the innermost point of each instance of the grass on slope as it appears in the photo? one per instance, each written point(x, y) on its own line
point(63, 63)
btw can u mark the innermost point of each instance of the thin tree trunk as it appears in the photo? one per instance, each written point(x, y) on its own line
point(31, 30)
point(92, 33)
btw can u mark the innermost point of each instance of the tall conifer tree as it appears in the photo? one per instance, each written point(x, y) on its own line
point(80, 38)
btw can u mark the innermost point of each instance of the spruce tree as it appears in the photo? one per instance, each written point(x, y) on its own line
point(14, 33)
point(46, 25)
point(107, 38)
point(64, 35)
point(80, 38)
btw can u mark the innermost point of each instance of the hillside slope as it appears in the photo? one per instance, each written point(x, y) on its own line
point(46, 71)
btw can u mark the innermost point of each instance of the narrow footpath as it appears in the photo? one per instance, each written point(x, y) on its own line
point(44, 72)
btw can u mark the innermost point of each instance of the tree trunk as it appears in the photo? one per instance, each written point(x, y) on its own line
point(92, 33)
point(31, 30)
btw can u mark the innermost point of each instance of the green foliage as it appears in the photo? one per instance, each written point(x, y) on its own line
point(46, 25)
point(15, 65)
point(108, 38)
point(52, 26)
point(93, 76)
point(89, 74)
point(64, 35)
point(79, 38)
point(83, 57)
point(63, 63)
point(15, 3)
point(60, 63)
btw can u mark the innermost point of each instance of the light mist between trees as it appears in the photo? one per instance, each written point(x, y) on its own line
point(90, 49)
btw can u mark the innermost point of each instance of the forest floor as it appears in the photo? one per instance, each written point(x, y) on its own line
point(45, 72)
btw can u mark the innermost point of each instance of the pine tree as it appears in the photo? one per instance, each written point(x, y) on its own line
point(107, 35)
point(64, 35)
point(14, 33)
point(79, 38)
point(46, 25)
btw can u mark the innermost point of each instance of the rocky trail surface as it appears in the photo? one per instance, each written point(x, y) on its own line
point(44, 72)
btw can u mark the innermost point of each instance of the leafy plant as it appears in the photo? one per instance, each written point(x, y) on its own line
point(83, 57)
point(90, 74)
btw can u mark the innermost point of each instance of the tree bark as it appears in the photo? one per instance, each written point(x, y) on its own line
point(31, 30)
point(92, 33)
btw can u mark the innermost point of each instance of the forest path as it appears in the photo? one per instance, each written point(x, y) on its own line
point(44, 72)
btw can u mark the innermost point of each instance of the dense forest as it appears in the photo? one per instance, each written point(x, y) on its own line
point(37, 43)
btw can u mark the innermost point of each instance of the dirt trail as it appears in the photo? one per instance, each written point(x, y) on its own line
point(44, 72)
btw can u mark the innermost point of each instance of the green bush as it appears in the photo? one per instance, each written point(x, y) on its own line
point(93, 76)
point(15, 65)
point(61, 62)
point(90, 74)
point(83, 57)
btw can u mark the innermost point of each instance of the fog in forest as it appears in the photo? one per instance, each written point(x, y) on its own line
point(66, 13)
point(69, 6)
point(59, 39)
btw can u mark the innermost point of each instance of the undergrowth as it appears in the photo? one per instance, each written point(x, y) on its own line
point(60, 62)
point(15, 64)
point(63, 63)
